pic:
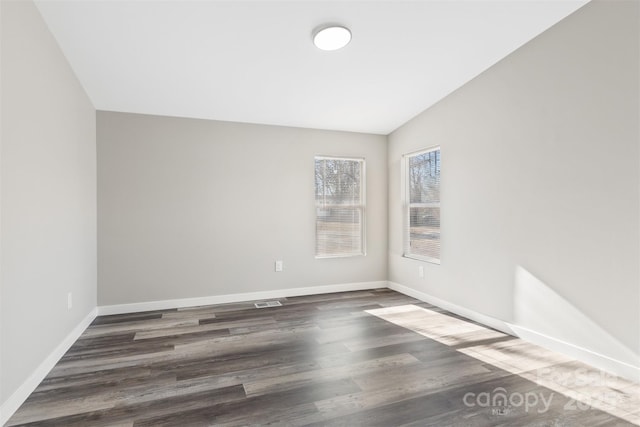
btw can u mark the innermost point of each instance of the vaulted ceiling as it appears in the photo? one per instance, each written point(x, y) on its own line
point(254, 61)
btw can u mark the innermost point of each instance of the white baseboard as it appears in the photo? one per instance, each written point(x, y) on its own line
point(597, 360)
point(11, 405)
point(489, 321)
point(229, 298)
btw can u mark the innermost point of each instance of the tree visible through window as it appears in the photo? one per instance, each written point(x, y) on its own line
point(340, 207)
point(422, 205)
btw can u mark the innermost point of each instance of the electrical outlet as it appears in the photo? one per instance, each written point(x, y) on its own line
point(421, 271)
point(69, 301)
point(279, 266)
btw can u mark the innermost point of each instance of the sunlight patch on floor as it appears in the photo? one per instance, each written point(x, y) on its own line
point(560, 373)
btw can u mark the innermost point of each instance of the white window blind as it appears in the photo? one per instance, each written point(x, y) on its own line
point(340, 207)
point(422, 205)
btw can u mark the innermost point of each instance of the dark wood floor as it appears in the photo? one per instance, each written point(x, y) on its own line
point(370, 358)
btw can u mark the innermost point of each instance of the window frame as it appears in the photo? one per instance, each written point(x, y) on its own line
point(362, 207)
point(407, 205)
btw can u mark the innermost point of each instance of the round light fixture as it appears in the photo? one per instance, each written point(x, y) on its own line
point(332, 38)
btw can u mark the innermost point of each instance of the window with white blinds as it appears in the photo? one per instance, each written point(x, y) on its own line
point(340, 207)
point(422, 205)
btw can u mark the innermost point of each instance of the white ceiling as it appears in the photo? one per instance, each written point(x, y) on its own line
point(254, 61)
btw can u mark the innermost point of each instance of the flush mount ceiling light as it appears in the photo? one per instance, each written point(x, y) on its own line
point(332, 37)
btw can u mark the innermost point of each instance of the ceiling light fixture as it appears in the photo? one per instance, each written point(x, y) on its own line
point(333, 37)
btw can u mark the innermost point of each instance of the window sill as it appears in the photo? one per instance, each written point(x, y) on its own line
point(339, 256)
point(422, 258)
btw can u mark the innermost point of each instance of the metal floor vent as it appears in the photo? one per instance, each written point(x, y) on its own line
point(267, 304)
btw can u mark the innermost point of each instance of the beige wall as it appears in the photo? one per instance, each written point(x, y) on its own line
point(48, 210)
point(540, 211)
point(195, 208)
point(540, 190)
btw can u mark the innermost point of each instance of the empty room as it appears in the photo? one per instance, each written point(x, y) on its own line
point(341, 213)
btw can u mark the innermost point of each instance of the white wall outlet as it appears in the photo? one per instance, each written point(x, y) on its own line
point(279, 265)
point(69, 300)
point(421, 271)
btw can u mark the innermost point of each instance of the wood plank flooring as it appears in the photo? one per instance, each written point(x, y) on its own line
point(367, 358)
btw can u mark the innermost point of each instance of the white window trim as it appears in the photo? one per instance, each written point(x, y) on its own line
point(405, 190)
point(362, 206)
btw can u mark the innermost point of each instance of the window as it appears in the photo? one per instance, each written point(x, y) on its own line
point(422, 205)
point(340, 207)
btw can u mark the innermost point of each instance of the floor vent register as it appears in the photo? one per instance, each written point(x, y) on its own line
point(268, 304)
